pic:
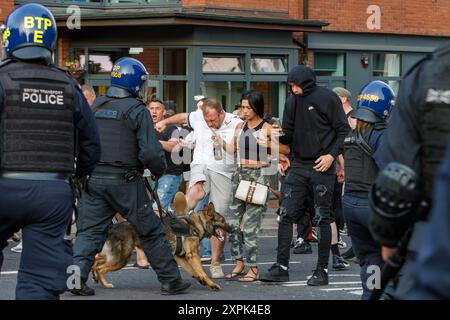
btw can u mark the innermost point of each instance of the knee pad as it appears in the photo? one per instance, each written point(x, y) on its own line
point(284, 217)
point(323, 197)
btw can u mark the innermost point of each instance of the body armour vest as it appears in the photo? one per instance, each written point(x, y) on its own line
point(360, 168)
point(119, 142)
point(37, 130)
point(436, 117)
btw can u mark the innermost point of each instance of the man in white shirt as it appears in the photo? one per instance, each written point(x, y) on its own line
point(208, 175)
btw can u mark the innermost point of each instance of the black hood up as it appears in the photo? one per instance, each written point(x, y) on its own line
point(304, 77)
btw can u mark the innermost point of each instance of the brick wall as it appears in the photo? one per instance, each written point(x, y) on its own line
point(421, 17)
point(150, 59)
point(191, 3)
point(245, 4)
point(63, 49)
point(6, 7)
point(264, 88)
point(310, 58)
point(295, 9)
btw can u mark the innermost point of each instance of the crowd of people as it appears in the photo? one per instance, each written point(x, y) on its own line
point(249, 147)
point(337, 170)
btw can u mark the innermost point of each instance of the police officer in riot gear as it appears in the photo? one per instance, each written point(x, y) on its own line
point(416, 140)
point(433, 257)
point(41, 107)
point(129, 143)
point(362, 154)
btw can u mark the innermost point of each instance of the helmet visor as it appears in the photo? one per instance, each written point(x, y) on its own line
point(366, 115)
point(142, 94)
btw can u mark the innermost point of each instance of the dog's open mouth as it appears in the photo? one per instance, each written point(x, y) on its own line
point(219, 233)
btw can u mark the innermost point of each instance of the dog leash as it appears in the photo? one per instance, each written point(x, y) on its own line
point(154, 194)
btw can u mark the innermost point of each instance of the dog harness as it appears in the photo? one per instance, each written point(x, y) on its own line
point(179, 251)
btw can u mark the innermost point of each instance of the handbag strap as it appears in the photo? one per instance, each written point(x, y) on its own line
point(251, 191)
point(253, 184)
point(238, 158)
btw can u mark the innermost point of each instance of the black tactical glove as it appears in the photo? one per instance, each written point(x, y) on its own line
point(176, 225)
point(392, 200)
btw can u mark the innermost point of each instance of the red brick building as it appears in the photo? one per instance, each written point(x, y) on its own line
point(220, 48)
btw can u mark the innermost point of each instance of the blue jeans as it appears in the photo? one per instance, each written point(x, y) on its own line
point(168, 185)
point(368, 251)
point(205, 244)
point(201, 204)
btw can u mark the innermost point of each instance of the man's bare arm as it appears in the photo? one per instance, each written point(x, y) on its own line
point(169, 145)
point(179, 118)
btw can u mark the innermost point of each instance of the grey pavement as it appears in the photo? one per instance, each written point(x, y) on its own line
point(135, 284)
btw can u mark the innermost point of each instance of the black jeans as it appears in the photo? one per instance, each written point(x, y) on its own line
point(304, 221)
point(300, 181)
point(103, 198)
point(304, 226)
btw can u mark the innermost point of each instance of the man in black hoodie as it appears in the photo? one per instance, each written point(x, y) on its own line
point(315, 126)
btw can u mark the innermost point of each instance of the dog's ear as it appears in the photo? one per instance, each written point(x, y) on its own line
point(180, 203)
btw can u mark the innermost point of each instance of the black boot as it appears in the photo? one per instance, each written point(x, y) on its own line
point(174, 287)
point(349, 254)
point(318, 278)
point(275, 274)
point(83, 291)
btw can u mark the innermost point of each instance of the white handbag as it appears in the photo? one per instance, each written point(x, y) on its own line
point(252, 192)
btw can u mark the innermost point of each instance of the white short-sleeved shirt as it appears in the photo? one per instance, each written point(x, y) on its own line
point(203, 152)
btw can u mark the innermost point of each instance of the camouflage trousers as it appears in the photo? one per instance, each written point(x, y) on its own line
point(245, 219)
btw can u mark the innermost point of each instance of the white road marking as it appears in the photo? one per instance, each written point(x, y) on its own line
point(130, 267)
point(9, 272)
point(357, 292)
point(303, 283)
point(339, 289)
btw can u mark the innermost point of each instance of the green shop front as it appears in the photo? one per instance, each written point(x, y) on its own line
point(188, 54)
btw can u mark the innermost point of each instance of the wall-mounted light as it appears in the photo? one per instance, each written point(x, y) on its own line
point(365, 60)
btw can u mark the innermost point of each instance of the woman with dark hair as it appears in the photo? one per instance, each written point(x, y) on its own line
point(252, 143)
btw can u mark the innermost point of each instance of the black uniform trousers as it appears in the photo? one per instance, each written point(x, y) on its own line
point(301, 181)
point(43, 210)
point(106, 195)
point(368, 251)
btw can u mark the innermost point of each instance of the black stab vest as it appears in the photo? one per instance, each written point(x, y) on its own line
point(37, 125)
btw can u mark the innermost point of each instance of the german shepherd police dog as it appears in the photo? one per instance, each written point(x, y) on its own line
point(116, 252)
point(122, 238)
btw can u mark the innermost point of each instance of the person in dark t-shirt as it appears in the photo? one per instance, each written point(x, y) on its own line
point(170, 182)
